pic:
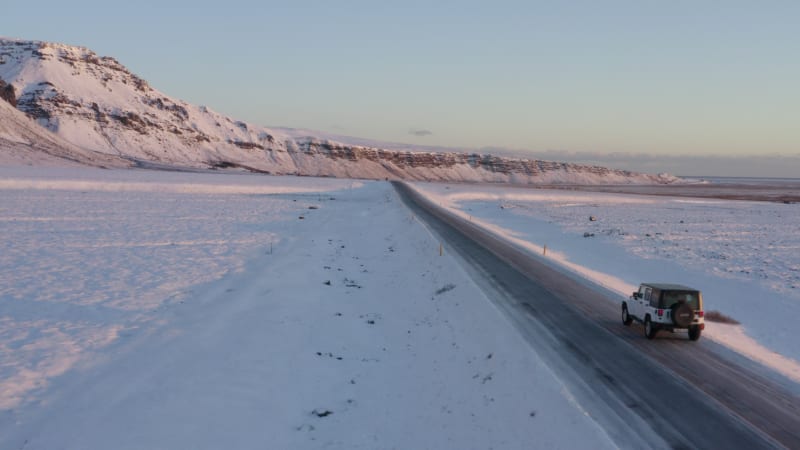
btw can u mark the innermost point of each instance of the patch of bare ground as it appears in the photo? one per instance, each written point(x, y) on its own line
point(716, 316)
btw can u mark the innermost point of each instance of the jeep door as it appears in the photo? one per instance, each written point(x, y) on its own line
point(640, 301)
point(644, 305)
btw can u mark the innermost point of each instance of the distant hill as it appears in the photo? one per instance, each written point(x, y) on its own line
point(100, 107)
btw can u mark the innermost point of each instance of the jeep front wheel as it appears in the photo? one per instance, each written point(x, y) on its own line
point(694, 333)
point(650, 330)
point(626, 318)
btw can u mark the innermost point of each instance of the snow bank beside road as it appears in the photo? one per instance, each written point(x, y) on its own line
point(742, 255)
point(82, 179)
point(217, 318)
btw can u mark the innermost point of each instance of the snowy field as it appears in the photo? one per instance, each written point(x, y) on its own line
point(177, 310)
point(743, 255)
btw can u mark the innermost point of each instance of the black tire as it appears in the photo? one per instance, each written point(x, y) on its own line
point(682, 315)
point(650, 329)
point(626, 318)
point(694, 333)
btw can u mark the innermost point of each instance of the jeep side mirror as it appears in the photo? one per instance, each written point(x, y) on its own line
point(637, 294)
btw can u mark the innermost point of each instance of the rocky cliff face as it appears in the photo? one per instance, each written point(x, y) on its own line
point(466, 167)
point(24, 142)
point(97, 104)
point(7, 93)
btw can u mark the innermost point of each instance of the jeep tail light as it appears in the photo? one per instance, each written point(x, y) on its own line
point(660, 312)
point(700, 313)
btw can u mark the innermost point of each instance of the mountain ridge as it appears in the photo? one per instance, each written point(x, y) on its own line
point(97, 104)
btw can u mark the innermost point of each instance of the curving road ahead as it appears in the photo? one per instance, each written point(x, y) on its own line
point(669, 392)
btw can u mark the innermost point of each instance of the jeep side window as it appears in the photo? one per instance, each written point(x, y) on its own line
point(647, 293)
point(655, 298)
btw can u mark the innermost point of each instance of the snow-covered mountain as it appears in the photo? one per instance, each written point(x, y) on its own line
point(98, 105)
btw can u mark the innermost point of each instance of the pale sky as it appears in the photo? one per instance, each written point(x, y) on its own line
point(674, 78)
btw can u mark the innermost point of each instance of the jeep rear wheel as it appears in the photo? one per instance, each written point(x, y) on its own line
point(650, 330)
point(694, 333)
point(626, 318)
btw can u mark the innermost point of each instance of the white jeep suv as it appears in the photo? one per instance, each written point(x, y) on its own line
point(661, 306)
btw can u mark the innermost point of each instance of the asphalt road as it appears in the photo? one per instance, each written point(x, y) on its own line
point(669, 392)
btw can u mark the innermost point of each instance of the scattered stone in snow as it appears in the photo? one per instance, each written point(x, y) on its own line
point(322, 412)
point(327, 282)
point(329, 355)
point(587, 234)
point(371, 322)
point(533, 414)
point(445, 288)
point(489, 356)
point(351, 283)
point(313, 207)
point(301, 217)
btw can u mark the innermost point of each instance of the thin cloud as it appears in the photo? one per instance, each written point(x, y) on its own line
point(420, 133)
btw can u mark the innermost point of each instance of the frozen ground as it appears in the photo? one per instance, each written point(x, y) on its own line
point(743, 255)
point(174, 310)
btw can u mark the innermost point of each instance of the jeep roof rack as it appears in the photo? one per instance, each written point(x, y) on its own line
point(669, 287)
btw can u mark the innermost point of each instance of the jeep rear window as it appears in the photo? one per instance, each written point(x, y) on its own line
point(669, 298)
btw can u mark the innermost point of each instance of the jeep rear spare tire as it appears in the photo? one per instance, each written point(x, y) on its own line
point(682, 315)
